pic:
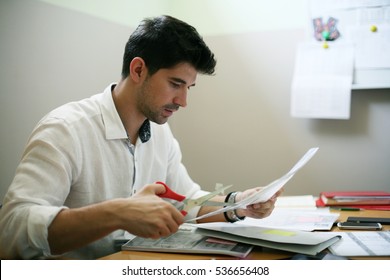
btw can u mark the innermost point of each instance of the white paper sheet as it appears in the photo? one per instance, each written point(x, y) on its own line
point(362, 243)
point(322, 82)
point(296, 220)
point(372, 48)
point(297, 202)
point(267, 192)
point(288, 219)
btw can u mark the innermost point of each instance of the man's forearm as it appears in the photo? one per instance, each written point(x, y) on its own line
point(75, 228)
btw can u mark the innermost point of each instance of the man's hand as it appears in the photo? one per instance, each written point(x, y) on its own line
point(149, 216)
point(257, 210)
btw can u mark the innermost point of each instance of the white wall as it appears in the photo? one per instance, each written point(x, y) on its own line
point(214, 17)
point(236, 129)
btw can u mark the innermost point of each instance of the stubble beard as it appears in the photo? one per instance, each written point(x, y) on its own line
point(144, 106)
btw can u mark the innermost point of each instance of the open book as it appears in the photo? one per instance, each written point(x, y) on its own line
point(186, 240)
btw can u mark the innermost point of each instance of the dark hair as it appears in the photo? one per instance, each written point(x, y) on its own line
point(163, 42)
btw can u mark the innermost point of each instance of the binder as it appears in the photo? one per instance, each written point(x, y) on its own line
point(359, 199)
point(301, 242)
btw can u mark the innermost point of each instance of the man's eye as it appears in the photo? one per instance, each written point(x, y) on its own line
point(175, 85)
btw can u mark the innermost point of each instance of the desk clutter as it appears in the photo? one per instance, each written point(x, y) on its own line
point(239, 240)
point(299, 224)
point(294, 227)
point(303, 225)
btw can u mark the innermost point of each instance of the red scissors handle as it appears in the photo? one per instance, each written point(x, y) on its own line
point(172, 195)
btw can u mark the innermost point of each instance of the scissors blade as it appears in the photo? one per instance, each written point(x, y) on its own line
point(191, 203)
point(217, 203)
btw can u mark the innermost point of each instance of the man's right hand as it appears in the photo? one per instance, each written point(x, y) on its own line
point(149, 216)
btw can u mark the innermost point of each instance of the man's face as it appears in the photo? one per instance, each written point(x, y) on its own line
point(165, 92)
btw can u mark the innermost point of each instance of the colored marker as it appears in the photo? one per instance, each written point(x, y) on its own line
point(348, 209)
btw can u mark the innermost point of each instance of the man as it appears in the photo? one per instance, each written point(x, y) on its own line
point(89, 169)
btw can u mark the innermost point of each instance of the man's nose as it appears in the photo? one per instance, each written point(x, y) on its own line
point(181, 99)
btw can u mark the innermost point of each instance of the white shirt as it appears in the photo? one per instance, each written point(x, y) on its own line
point(78, 155)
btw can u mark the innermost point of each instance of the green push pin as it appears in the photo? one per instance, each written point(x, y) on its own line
point(325, 34)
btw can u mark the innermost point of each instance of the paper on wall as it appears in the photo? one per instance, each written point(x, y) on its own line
point(322, 81)
point(372, 48)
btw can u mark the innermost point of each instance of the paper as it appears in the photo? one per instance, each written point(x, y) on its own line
point(306, 220)
point(372, 48)
point(269, 234)
point(289, 219)
point(302, 202)
point(267, 192)
point(371, 36)
point(362, 243)
point(322, 81)
point(303, 242)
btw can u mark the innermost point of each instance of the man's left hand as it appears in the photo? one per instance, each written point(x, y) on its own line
point(257, 210)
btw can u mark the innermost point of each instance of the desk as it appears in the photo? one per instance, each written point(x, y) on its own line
point(257, 252)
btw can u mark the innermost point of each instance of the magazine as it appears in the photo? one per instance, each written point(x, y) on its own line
point(187, 241)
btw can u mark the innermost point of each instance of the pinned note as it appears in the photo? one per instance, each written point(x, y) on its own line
point(322, 81)
point(372, 45)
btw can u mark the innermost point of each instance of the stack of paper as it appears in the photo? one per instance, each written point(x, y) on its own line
point(310, 243)
point(295, 219)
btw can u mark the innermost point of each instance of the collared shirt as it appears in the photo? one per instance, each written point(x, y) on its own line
point(78, 155)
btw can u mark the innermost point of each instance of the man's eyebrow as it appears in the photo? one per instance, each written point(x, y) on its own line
point(181, 81)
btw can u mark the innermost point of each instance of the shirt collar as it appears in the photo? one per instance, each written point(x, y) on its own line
point(144, 131)
point(113, 125)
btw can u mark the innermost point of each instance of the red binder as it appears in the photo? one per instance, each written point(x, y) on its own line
point(379, 200)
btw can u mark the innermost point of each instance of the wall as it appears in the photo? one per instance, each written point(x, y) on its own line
point(236, 129)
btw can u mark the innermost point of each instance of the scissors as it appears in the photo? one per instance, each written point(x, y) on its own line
point(189, 203)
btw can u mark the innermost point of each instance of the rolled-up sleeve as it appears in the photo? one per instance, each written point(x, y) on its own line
point(36, 196)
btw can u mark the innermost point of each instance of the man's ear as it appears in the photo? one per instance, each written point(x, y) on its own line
point(138, 69)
